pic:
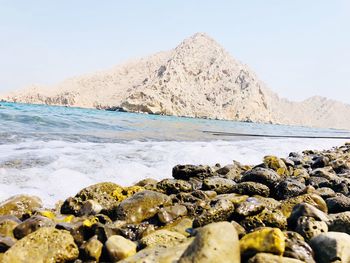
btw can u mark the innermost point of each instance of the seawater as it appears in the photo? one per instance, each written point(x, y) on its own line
point(53, 152)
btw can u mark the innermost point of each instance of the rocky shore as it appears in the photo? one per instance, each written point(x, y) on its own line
point(293, 209)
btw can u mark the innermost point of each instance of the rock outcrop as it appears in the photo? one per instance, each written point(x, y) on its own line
point(196, 79)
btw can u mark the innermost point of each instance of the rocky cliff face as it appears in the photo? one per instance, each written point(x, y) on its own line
point(196, 79)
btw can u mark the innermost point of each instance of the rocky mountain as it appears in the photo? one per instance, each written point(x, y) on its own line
point(198, 78)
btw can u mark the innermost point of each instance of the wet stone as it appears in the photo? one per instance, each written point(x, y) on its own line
point(270, 240)
point(220, 210)
point(20, 206)
point(173, 186)
point(30, 225)
point(251, 206)
point(308, 227)
point(170, 213)
point(340, 222)
point(218, 184)
point(261, 175)
point(289, 188)
point(251, 188)
point(325, 192)
point(331, 247)
point(185, 172)
point(297, 248)
point(7, 224)
point(102, 193)
point(266, 218)
point(305, 209)
point(6, 243)
point(163, 238)
point(337, 204)
point(141, 206)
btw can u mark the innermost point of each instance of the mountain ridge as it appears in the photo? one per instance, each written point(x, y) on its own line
point(198, 78)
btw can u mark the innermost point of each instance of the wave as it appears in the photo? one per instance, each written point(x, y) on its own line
point(57, 169)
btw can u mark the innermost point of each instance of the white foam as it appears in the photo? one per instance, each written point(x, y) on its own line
point(60, 169)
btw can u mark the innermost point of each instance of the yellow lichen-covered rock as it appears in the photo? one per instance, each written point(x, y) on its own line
point(162, 237)
point(122, 193)
point(312, 199)
point(102, 193)
point(89, 222)
point(119, 247)
point(276, 164)
point(270, 240)
point(47, 213)
point(47, 245)
point(20, 205)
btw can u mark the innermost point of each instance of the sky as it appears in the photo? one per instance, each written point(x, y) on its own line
point(298, 48)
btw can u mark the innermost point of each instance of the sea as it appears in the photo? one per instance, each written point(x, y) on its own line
point(53, 152)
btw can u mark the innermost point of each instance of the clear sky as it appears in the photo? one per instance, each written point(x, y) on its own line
point(300, 48)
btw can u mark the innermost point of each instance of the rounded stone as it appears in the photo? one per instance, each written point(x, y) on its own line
point(251, 188)
point(261, 175)
point(141, 206)
point(218, 184)
point(251, 206)
point(216, 242)
point(270, 240)
point(331, 247)
point(120, 248)
point(47, 244)
point(20, 205)
point(308, 227)
point(289, 188)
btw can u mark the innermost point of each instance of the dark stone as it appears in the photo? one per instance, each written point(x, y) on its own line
point(307, 210)
point(185, 172)
point(261, 175)
point(251, 188)
point(251, 206)
point(6, 243)
point(266, 218)
point(337, 204)
point(30, 225)
point(325, 192)
point(340, 222)
point(289, 188)
point(297, 248)
point(173, 186)
point(309, 227)
point(220, 210)
point(319, 162)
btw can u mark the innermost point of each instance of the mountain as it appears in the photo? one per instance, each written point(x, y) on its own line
point(198, 78)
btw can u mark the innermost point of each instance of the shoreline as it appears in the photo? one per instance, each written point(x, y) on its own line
point(176, 116)
point(286, 209)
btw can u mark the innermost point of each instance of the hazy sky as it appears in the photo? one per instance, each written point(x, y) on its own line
point(300, 48)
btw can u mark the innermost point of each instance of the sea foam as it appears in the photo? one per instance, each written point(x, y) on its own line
point(54, 170)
